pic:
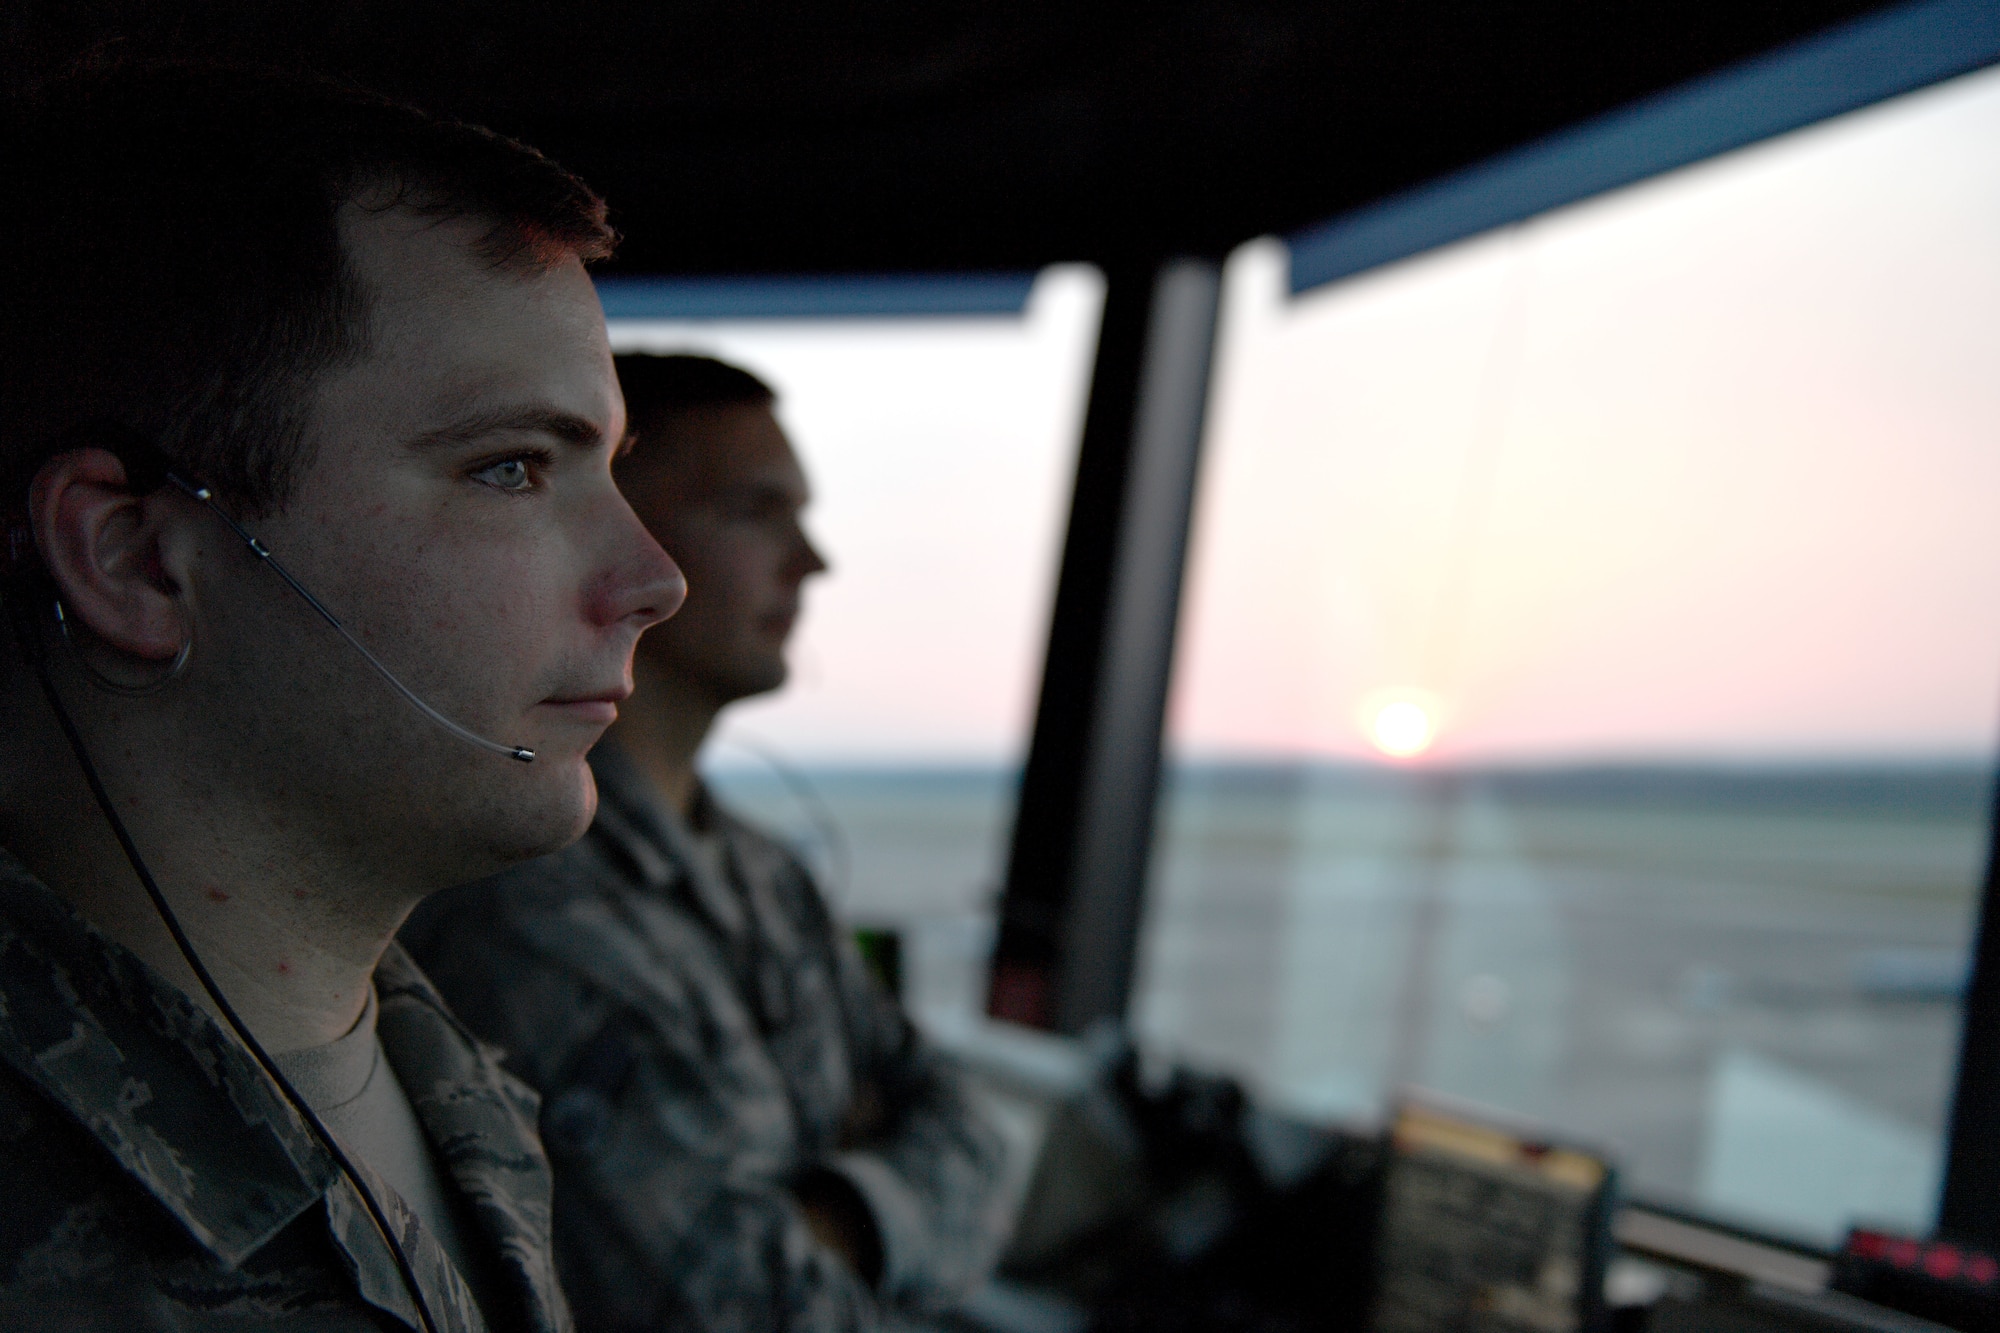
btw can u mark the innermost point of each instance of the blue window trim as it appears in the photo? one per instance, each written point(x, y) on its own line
point(868, 296)
point(1844, 69)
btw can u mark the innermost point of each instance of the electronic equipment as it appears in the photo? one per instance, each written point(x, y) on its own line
point(1956, 1285)
point(1488, 1228)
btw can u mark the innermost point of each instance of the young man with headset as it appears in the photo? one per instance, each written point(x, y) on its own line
point(318, 590)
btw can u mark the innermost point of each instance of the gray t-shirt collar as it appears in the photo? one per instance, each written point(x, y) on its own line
point(332, 1075)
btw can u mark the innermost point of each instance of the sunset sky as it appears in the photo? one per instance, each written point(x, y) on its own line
point(1708, 467)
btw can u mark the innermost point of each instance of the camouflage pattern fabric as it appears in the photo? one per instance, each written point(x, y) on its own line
point(704, 1038)
point(153, 1178)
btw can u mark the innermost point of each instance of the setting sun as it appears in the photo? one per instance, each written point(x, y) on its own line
point(1401, 727)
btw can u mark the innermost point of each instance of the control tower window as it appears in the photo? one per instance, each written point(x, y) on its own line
point(1589, 679)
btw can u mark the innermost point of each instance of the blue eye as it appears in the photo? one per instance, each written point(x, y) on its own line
point(509, 474)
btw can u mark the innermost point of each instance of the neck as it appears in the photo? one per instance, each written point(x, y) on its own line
point(290, 935)
point(662, 727)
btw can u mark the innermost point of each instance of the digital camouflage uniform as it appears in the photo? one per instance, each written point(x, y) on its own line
point(701, 1042)
point(151, 1177)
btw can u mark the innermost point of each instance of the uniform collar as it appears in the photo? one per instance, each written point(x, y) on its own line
point(658, 843)
point(738, 892)
point(174, 1099)
point(481, 1124)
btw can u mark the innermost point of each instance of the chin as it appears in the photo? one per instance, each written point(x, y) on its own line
point(759, 678)
point(545, 814)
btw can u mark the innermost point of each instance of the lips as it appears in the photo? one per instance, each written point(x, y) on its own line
point(600, 707)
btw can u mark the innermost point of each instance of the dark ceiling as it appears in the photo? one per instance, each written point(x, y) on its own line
point(895, 135)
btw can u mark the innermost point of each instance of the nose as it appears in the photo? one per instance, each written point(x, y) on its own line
point(638, 584)
point(806, 559)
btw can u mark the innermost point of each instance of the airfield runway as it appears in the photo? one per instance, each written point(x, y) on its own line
point(1742, 982)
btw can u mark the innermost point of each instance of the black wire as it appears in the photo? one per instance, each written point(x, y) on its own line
point(31, 649)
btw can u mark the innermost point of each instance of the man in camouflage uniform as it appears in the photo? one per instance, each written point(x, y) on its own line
point(371, 334)
point(747, 1134)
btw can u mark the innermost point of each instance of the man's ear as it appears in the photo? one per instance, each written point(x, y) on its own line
point(102, 545)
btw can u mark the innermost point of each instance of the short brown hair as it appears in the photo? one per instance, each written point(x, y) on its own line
point(172, 260)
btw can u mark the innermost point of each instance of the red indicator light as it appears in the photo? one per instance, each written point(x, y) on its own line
point(1904, 1253)
point(1981, 1270)
point(1867, 1244)
point(1942, 1261)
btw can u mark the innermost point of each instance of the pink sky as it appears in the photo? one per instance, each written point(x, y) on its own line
point(1740, 435)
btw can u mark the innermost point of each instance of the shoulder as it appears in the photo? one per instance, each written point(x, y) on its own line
point(766, 858)
point(538, 959)
point(585, 908)
point(431, 1048)
point(561, 913)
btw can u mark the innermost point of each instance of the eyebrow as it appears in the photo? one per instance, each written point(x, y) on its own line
point(568, 427)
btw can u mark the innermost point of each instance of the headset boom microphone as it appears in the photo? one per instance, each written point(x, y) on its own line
point(257, 548)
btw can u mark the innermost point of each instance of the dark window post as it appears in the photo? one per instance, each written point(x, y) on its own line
point(1069, 920)
point(1970, 1210)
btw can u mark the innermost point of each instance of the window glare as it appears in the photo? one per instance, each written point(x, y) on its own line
point(1591, 670)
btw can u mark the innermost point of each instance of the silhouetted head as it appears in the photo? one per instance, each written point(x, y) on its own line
point(713, 477)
